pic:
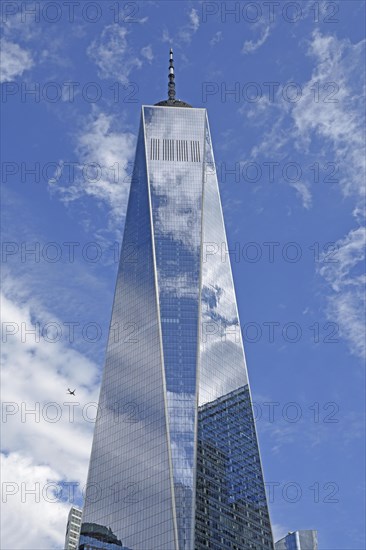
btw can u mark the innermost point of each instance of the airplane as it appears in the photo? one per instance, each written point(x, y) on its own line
point(71, 392)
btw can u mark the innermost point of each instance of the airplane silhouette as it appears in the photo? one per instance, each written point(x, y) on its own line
point(71, 392)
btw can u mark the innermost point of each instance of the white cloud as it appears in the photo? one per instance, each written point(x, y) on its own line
point(331, 106)
point(50, 445)
point(217, 37)
point(337, 117)
point(277, 140)
point(112, 54)
point(147, 53)
point(346, 303)
point(195, 22)
point(18, 27)
point(112, 153)
point(304, 193)
point(330, 110)
point(14, 60)
point(251, 46)
point(186, 32)
point(166, 36)
point(43, 523)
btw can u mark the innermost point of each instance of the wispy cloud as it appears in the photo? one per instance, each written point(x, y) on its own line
point(217, 37)
point(335, 112)
point(330, 107)
point(251, 46)
point(147, 52)
point(339, 121)
point(16, 27)
point(195, 22)
point(166, 37)
point(346, 303)
point(185, 32)
point(110, 151)
point(14, 60)
point(113, 55)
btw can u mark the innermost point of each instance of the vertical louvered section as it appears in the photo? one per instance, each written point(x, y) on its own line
point(182, 150)
point(154, 149)
point(195, 151)
point(168, 149)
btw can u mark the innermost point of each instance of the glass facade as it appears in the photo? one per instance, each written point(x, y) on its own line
point(175, 179)
point(231, 507)
point(299, 540)
point(174, 353)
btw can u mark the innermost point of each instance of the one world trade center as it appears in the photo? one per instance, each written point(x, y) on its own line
point(175, 463)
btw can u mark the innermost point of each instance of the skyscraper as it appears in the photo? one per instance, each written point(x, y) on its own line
point(73, 529)
point(299, 540)
point(175, 462)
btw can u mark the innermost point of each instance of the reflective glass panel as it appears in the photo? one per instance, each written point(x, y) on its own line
point(175, 137)
point(129, 481)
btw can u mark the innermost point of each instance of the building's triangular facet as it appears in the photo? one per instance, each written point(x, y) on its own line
point(129, 487)
point(175, 462)
point(231, 506)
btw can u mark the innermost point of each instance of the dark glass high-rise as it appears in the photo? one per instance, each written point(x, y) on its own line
point(175, 463)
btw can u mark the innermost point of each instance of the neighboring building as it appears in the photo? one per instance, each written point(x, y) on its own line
point(299, 540)
point(175, 462)
point(73, 529)
point(231, 508)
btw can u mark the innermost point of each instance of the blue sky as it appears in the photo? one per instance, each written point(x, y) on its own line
point(283, 85)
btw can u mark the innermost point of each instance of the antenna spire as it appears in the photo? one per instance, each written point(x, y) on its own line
point(172, 101)
point(171, 85)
